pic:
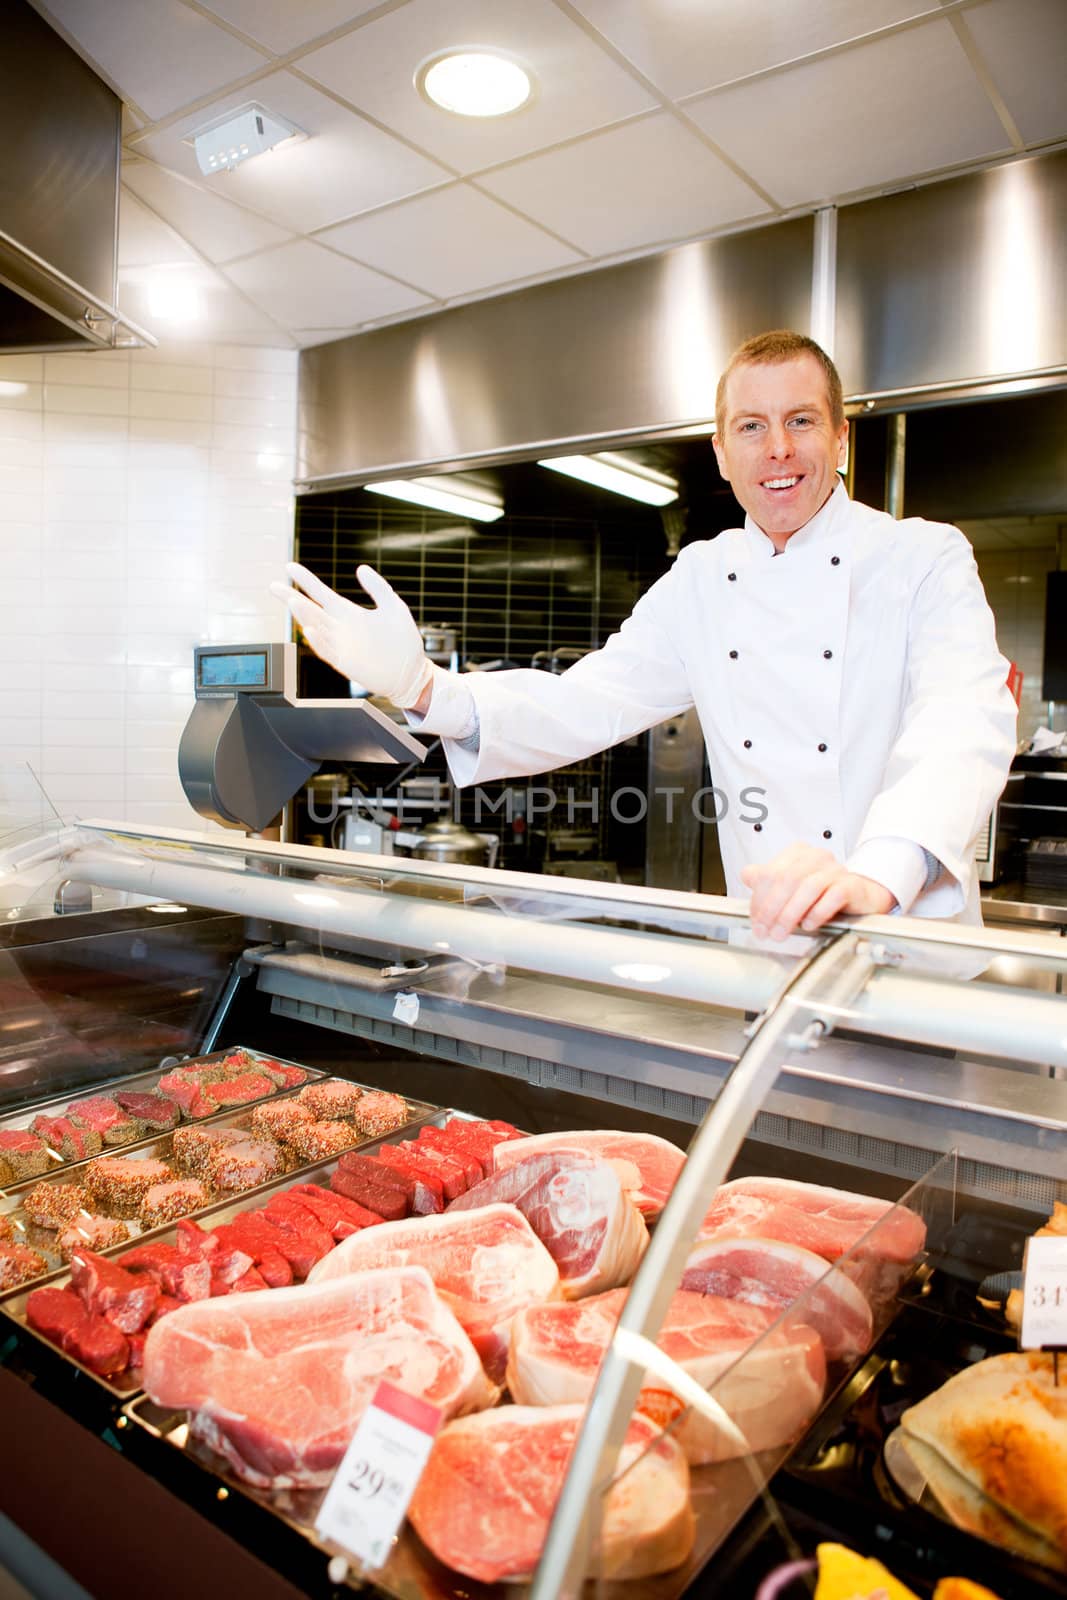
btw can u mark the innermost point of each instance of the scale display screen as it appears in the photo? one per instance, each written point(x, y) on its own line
point(246, 669)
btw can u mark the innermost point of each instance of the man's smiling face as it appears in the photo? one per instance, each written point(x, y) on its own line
point(779, 449)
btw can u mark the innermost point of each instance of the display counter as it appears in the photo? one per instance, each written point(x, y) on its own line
point(910, 1066)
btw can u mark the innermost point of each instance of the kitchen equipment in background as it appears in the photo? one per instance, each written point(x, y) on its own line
point(682, 839)
point(440, 640)
point(450, 842)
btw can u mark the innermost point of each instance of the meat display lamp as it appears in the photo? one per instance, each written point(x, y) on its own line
point(250, 743)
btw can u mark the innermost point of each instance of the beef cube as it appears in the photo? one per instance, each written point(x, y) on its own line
point(136, 1342)
point(389, 1204)
point(165, 1305)
point(429, 1190)
point(378, 1172)
point(274, 1269)
point(154, 1110)
point(263, 1239)
point(180, 1277)
point(289, 1210)
point(228, 1261)
point(450, 1145)
point(126, 1299)
point(451, 1174)
point(252, 1279)
point(54, 1312)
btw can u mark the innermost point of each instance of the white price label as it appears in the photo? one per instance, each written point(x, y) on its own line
point(368, 1498)
point(1044, 1294)
point(406, 1008)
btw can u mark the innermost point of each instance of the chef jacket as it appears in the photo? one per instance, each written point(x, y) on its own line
point(850, 691)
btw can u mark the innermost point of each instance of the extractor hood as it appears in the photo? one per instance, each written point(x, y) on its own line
point(60, 133)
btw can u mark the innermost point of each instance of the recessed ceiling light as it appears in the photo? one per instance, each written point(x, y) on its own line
point(618, 475)
point(424, 492)
point(475, 83)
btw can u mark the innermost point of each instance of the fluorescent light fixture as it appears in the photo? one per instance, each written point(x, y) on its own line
point(618, 475)
point(475, 83)
point(8, 386)
point(238, 136)
point(426, 492)
point(173, 295)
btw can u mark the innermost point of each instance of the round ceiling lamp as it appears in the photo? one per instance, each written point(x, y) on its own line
point(475, 83)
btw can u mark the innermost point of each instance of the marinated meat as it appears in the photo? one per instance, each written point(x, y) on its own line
point(648, 1167)
point(89, 1232)
point(53, 1205)
point(118, 1184)
point(276, 1383)
point(279, 1118)
point(18, 1264)
point(101, 1114)
point(992, 1444)
point(485, 1500)
point(228, 1159)
point(166, 1202)
point(281, 1073)
point(154, 1110)
point(486, 1265)
point(127, 1299)
point(66, 1138)
point(335, 1100)
point(25, 1154)
point(239, 1091)
point(379, 1112)
point(769, 1396)
point(580, 1212)
point(768, 1273)
point(318, 1141)
point(828, 1221)
point(59, 1315)
point(185, 1086)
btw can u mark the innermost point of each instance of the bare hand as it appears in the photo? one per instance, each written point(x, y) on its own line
point(808, 887)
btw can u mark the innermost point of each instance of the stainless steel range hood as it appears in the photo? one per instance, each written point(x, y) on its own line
point(60, 129)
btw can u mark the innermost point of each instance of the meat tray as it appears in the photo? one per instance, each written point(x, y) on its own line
point(135, 1083)
point(13, 1303)
point(721, 1494)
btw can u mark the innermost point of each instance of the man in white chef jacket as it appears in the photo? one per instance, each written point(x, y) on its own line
point(842, 662)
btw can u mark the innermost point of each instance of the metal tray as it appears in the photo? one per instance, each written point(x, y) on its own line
point(160, 1148)
point(135, 1083)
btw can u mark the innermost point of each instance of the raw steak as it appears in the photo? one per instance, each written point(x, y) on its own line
point(769, 1395)
point(486, 1265)
point(768, 1273)
point(277, 1382)
point(648, 1167)
point(579, 1211)
point(828, 1221)
point(490, 1487)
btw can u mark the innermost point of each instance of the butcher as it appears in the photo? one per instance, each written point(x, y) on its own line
point(844, 667)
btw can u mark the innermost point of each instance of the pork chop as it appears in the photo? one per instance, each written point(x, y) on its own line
point(647, 1166)
point(277, 1382)
point(828, 1221)
point(769, 1395)
point(486, 1265)
point(490, 1487)
point(580, 1212)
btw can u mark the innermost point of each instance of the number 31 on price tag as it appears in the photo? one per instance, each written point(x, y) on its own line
point(1044, 1324)
point(368, 1498)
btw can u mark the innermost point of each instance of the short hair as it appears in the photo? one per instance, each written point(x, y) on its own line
point(767, 349)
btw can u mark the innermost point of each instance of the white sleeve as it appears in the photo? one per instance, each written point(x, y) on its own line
point(899, 865)
point(957, 732)
point(532, 721)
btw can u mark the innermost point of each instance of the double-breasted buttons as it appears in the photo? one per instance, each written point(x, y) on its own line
point(757, 827)
point(731, 577)
point(733, 655)
point(827, 834)
point(827, 655)
point(822, 749)
point(748, 744)
point(835, 561)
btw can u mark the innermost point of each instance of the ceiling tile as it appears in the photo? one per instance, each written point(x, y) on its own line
point(283, 25)
point(685, 46)
point(161, 53)
point(223, 314)
point(346, 166)
point(627, 187)
point(450, 242)
point(839, 125)
point(144, 241)
point(1024, 43)
point(303, 285)
point(218, 229)
point(578, 86)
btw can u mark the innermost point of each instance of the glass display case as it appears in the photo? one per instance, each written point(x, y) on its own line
point(875, 1119)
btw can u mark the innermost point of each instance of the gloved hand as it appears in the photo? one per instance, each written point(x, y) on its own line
point(379, 647)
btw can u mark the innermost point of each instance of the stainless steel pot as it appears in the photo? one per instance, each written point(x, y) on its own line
point(451, 842)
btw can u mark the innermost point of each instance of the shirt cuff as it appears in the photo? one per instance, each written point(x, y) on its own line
point(899, 865)
point(452, 712)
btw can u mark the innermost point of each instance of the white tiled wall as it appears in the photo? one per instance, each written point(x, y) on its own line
point(144, 508)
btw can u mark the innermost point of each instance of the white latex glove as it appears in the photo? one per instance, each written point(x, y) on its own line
point(380, 646)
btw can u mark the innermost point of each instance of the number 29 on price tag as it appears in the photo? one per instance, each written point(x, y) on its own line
point(1044, 1324)
point(368, 1498)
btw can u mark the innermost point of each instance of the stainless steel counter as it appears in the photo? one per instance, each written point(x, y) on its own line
point(1014, 902)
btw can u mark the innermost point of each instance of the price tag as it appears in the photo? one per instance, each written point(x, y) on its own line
point(366, 1502)
point(406, 1008)
point(1044, 1294)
